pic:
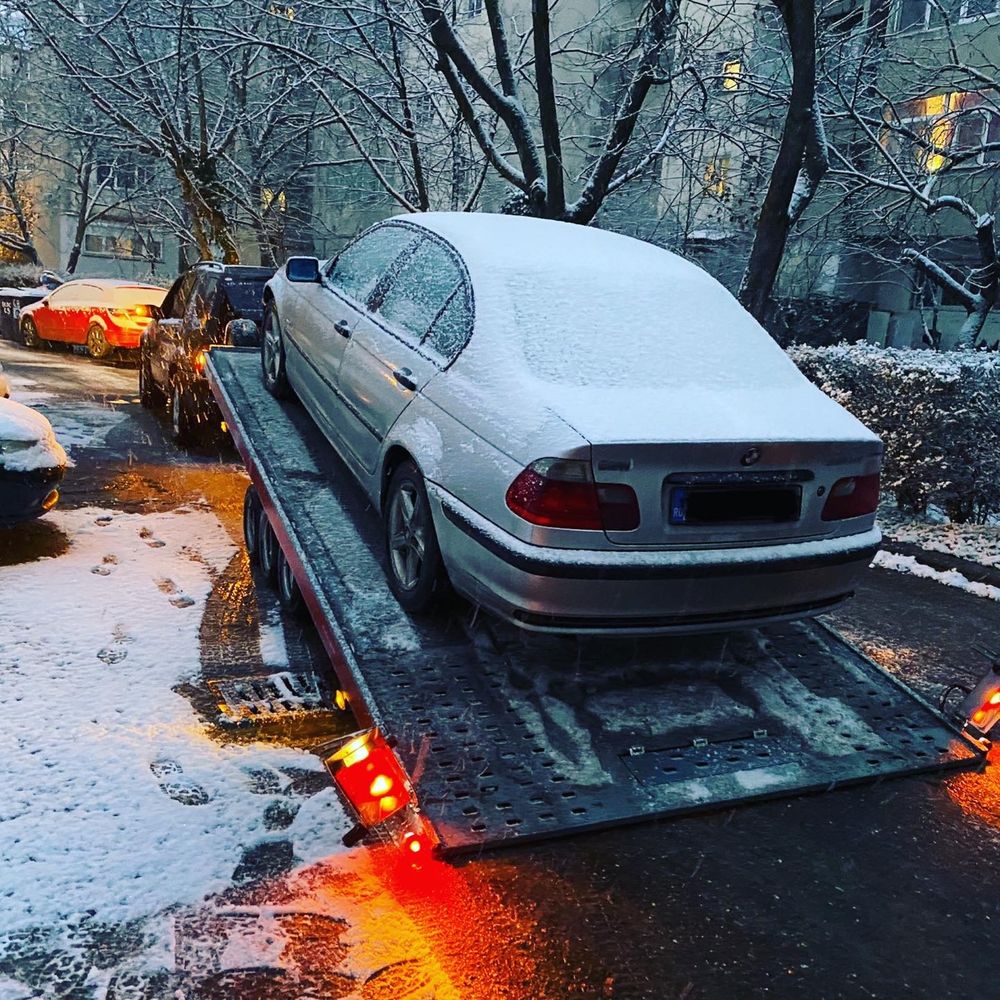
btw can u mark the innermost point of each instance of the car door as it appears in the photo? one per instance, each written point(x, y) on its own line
point(47, 315)
point(324, 316)
point(166, 332)
point(389, 360)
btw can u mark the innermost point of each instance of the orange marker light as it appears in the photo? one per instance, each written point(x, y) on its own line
point(995, 698)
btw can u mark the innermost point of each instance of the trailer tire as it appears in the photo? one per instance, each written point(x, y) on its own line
point(267, 549)
point(251, 515)
point(414, 566)
point(289, 594)
point(272, 356)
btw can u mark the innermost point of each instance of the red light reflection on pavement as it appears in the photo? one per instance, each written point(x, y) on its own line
point(370, 924)
point(978, 792)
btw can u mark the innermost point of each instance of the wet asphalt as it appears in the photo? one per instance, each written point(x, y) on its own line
point(877, 891)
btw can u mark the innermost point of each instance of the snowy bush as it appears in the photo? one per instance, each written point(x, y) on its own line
point(938, 415)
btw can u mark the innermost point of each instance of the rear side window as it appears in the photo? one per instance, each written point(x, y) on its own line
point(421, 289)
point(358, 269)
point(451, 329)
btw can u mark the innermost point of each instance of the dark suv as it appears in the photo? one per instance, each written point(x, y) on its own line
point(196, 314)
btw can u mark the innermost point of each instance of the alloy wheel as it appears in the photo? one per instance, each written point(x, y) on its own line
point(272, 348)
point(409, 521)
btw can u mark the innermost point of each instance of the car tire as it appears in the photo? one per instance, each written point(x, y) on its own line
point(289, 594)
point(267, 549)
point(272, 356)
point(252, 509)
point(150, 394)
point(29, 334)
point(183, 416)
point(97, 344)
point(414, 565)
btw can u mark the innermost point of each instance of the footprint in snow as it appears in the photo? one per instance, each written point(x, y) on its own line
point(170, 776)
point(108, 564)
point(116, 652)
point(104, 520)
point(147, 536)
point(177, 599)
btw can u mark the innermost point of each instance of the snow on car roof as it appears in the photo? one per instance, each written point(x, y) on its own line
point(591, 321)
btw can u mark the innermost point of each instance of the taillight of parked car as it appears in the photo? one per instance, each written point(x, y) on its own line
point(852, 496)
point(198, 362)
point(561, 493)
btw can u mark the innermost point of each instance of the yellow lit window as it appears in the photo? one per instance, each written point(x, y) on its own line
point(732, 71)
point(269, 198)
point(716, 177)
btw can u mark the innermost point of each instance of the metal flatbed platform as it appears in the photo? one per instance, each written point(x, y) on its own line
point(511, 736)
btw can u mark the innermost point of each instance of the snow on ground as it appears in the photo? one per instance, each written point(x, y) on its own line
point(113, 796)
point(978, 543)
point(951, 578)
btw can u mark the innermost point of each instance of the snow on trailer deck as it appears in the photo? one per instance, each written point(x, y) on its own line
point(511, 736)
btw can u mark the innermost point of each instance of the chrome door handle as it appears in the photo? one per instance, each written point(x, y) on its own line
point(343, 328)
point(402, 376)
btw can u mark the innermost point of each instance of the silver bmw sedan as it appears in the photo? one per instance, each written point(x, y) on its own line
point(579, 431)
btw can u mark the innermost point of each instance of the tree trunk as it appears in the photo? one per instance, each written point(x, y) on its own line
point(775, 219)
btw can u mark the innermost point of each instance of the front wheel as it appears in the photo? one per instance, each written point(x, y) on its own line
point(97, 344)
point(272, 357)
point(416, 571)
point(29, 334)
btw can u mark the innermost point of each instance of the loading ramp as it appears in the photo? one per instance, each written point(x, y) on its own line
point(510, 736)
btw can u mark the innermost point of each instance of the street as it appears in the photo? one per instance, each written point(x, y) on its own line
point(203, 860)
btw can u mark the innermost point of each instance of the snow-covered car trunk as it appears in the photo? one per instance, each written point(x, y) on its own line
point(31, 464)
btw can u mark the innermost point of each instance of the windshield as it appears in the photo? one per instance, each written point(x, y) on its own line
point(246, 298)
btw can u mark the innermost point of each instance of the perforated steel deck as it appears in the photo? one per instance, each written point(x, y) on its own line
point(510, 736)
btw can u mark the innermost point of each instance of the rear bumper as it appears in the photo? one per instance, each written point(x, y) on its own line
point(125, 337)
point(27, 495)
point(638, 592)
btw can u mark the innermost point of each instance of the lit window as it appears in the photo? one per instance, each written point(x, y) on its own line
point(732, 73)
point(716, 178)
point(959, 121)
point(269, 198)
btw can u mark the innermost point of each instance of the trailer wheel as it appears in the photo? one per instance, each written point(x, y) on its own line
point(289, 595)
point(272, 356)
point(267, 549)
point(251, 514)
point(413, 559)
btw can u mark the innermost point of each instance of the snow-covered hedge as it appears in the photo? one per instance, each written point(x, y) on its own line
point(938, 415)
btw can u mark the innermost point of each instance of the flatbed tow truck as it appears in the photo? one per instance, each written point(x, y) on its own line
point(492, 736)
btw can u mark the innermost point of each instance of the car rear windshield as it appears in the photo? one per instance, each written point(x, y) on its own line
point(246, 297)
point(602, 325)
point(127, 296)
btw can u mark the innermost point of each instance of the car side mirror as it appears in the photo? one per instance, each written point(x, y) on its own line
point(302, 269)
point(242, 333)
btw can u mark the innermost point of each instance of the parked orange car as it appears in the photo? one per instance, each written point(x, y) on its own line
point(103, 313)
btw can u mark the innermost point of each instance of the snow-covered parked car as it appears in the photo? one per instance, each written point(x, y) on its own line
point(580, 431)
point(32, 463)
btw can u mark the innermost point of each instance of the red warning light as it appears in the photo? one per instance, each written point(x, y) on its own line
point(367, 771)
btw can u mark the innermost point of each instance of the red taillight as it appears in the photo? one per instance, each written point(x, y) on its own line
point(198, 362)
point(371, 778)
point(561, 493)
point(852, 497)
